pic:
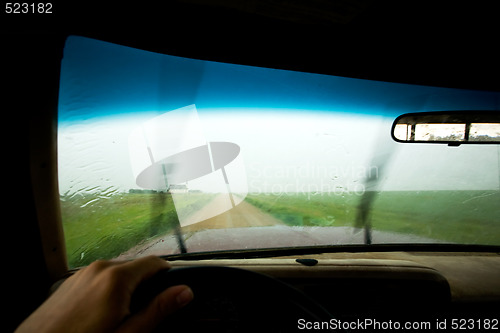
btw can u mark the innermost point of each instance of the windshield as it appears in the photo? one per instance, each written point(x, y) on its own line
point(161, 154)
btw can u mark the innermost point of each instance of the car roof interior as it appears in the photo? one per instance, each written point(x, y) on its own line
point(445, 43)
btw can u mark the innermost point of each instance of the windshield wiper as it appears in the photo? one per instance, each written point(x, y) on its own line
point(372, 185)
point(348, 248)
point(363, 214)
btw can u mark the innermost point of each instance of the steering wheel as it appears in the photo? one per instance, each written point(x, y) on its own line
point(230, 299)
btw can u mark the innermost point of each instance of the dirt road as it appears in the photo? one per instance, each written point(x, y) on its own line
point(247, 227)
point(243, 215)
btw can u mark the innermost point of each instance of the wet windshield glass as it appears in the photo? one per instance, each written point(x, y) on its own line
point(160, 154)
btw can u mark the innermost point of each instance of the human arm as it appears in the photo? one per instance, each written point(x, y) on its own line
point(97, 299)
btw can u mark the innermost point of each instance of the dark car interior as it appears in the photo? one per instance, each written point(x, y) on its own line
point(435, 43)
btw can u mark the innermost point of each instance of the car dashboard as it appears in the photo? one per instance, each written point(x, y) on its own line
point(450, 289)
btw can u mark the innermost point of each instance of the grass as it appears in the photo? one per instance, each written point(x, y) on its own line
point(103, 228)
point(307, 209)
point(468, 217)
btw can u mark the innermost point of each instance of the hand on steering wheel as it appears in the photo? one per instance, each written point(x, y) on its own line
point(233, 300)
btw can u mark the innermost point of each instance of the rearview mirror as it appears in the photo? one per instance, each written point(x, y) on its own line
point(450, 127)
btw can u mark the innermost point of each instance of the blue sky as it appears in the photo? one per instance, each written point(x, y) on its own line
point(99, 78)
point(284, 121)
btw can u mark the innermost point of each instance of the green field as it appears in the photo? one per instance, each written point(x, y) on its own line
point(107, 227)
point(469, 217)
point(98, 227)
